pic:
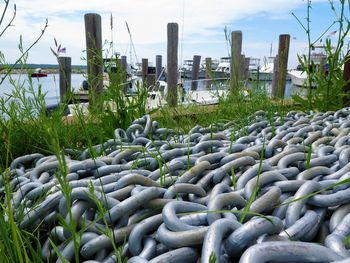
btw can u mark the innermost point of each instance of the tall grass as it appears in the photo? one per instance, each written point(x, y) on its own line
point(25, 127)
point(328, 94)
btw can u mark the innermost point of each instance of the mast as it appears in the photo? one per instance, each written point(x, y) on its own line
point(132, 47)
point(112, 43)
point(182, 30)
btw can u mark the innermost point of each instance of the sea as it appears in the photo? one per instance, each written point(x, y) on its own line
point(50, 85)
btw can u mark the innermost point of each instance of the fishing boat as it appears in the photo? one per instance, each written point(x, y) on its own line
point(38, 73)
point(223, 69)
point(185, 70)
point(299, 76)
point(156, 96)
point(265, 72)
point(213, 65)
point(253, 68)
point(130, 86)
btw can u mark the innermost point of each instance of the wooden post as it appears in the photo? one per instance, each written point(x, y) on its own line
point(246, 68)
point(274, 77)
point(208, 73)
point(122, 70)
point(242, 67)
point(65, 65)
point(144, 69)
point(158, 66)
point(346, 77)
point(195, 71)
point(93, 34)
point(124, 63)
point(172, 61)
point(283, 50)
point(236, 50)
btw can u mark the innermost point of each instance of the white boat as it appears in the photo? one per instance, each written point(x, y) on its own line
point(265, 72)
point(223, 69)
point(130, 86)
point(213, 66)
point(156, 97)
point(253, 68)
point(185, 70)
point(299, 77)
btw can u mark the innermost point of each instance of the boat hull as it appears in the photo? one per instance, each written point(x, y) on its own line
point(262, 76)
point(299, 78)
point(38, 75)
point(187, 74)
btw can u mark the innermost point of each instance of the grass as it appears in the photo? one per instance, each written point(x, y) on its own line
point(27, 122)
point(25, 127)
point(51, 135)
point(329, 93)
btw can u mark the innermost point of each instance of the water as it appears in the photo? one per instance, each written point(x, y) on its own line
point(50, 85)
point(289, 90)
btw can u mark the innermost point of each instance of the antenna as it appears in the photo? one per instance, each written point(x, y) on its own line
point(132, 47)
point(112, 43)
point(182, 29)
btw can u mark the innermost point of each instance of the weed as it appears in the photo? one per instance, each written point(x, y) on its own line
point(327, 75)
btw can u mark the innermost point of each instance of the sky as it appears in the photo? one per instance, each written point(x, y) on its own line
point(201, 27)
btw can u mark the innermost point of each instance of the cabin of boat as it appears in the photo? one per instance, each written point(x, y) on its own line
point(299, 76)
point(185, 70)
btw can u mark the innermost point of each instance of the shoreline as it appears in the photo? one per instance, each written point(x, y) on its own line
point(45, 70)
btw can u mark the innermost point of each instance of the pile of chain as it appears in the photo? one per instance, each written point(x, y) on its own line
point(277, 190)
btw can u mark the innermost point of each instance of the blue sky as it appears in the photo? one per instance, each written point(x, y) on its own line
point(201, 25)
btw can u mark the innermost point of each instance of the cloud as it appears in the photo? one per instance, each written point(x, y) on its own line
point(202, 22)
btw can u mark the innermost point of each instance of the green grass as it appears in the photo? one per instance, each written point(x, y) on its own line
point(24, 132)
point(26, 128)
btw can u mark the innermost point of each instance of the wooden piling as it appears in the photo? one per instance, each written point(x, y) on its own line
point(65, 70)
point(274, 77)
point(93, 35)
point(195, 71)
point(346, 77)
point(236, 50)
point(122, 68)
point(144, 69)
point(172, 61)
point(124, 63)
point(246, 68)
point(208, 73)
point(158, 67)
point(282, 63)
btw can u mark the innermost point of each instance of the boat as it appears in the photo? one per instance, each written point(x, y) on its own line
point(130, 86)
point(254, 67)
point(213, 66)
point(265, 72)
point(185, 70)
point(299, 76)
point(156, 95)
point(223, 69)
point(38, 73)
